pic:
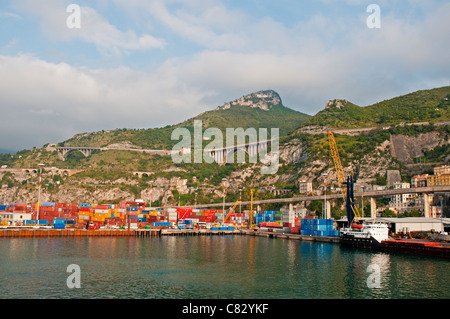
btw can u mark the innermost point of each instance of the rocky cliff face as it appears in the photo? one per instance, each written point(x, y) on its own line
point(263, 100)
point(406, 148)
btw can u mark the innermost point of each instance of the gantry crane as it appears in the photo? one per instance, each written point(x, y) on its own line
point(347, 191)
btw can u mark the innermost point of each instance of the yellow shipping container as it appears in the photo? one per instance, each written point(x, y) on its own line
point(82, 213)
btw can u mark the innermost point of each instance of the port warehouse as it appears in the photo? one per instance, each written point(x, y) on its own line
point(406, 224)
point(135, 215)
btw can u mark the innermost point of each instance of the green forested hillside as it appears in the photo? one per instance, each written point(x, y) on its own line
point(237, 116)
point(421, 106)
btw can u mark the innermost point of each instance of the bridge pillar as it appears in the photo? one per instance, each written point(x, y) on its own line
point(373, 207)
point(426, 206)
point(328, 210)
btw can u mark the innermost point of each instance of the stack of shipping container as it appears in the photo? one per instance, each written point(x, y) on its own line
point(269, 216)
point(318, 227)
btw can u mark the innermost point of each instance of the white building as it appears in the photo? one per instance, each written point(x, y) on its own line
point(14, 218)
point(412, 224)
point(401, 202)
point(304, 186)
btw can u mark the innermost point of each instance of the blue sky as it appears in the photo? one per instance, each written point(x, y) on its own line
point(149, 63)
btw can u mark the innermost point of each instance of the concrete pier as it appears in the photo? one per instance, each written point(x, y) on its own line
point(18, 232)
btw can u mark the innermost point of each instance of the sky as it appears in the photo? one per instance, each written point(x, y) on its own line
point(151, 63)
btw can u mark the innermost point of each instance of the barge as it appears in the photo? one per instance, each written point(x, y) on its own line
point(418, 247)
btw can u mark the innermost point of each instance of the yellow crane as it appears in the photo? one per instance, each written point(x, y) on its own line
point(339, 170)
point(229, 212)
point(337, 163)
point(226, 217)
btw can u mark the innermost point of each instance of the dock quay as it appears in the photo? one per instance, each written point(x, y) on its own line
point(18, 232)
point(199, 232)
point(30, 233)
point(324, 239)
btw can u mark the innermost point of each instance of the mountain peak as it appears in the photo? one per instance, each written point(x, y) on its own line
point(338, 103)
point(263, 100)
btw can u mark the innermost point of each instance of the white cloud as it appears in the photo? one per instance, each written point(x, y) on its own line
point(94, 29)
point(307, 63)
point(43, 102)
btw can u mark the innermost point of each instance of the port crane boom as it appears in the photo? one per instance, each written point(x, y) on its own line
point(229, 212)
point(345, 186)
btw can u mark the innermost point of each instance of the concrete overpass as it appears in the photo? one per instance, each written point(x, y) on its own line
point(86, 151)
point(370, 195)
point(225, 154)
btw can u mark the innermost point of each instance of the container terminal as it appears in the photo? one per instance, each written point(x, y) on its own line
point(51, 219)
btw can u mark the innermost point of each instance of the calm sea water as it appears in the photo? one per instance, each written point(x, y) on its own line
point(232, 267)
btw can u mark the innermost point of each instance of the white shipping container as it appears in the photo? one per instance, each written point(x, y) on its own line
point(83, 216)
point(102, 211)
point(121, 210)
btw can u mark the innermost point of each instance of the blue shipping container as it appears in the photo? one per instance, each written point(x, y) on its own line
point(48, 204)
point(163, 224)
point(323, 227)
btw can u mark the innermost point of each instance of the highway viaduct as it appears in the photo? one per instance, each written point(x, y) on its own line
point(370, 195)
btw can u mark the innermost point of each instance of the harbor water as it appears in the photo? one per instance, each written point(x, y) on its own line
point(231, 267)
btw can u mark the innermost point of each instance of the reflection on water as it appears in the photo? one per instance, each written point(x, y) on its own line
point(212, 267)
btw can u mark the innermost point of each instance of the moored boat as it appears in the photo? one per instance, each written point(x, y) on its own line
point(364, 236)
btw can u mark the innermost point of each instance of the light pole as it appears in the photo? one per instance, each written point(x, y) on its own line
point(240, 199)
point(224, 180)
point(325, 193)
point(195, 194)
point(39, 191)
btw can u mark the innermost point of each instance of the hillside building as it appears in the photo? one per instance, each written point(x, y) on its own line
point(304, 186)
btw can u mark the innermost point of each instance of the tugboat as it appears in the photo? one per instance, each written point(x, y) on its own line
point(364, 236)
